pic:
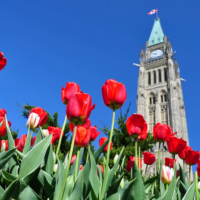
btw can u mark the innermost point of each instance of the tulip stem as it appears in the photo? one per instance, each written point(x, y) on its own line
point(163, 154)
point(104, 167)
point(139, 157)
point(108, 156)
point(159, 156)
point(76, 169)
point(68, 164)
point(88, 153)
point(145, 172)
point(184, 165)
point(136, 153)
point(189, 173)
point(60, 139)
point(166, 186)
point(174, 163)
point(196, 186)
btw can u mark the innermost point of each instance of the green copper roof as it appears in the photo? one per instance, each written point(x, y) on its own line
point(157, 35)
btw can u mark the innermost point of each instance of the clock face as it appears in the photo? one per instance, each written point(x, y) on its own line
point(156, 53)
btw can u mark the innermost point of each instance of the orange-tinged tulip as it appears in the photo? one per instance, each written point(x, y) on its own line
point(93, 133)
point(79, 108)
point(86, 125)
point(37, 117)
point(81, 167)
point(82, 137)
point(114, 94)
point(102, 141)
point(3, 126)
point(68, 91)
point(167, 174)
point(136, 125)
point(101, 167)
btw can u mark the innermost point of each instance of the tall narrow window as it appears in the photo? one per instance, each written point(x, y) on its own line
point(154, 100)
point(165, 97)
point(159, 73)
point(161, 98)
point(149, 78)
point(150, 100)
point(154, 75)
point(165, 74)
point(151, 119)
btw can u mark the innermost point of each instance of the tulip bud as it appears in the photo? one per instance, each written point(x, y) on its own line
point(55, 168)
point(33, 120)
point(167, 174)
point(115, 158)
point(46, 132)
point(81, 167)
point(199, 185)
point(122, 183)
point(73, 159)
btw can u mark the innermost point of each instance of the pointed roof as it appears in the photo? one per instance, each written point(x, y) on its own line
point(157, 35)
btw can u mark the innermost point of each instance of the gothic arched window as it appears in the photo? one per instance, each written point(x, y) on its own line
point(159, 74)
point(161, 98)
point(149, 78)
point(165, 74)
point(150, 100)
point(165, 97)
point(154, 75)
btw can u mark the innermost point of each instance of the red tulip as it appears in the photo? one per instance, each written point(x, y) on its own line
point(169, 162)
point(102, 141)
point(199, 163)
point(20, 142)
point(81, 167)
point(114, 94)
point(175, 145)
point(3, 61)
point(136, 125)
point(130, 163)
point(37, 117)
point(3, 126)
point(191, 157)
point(86, 125)
point(4, 145)
point(182, 153)
point(55, 131)
point(149, 158)
point(198, 171)
point(79, 108)
point(93, 133)
point(143, 136)
point(2, 112)
point(82, 137)
point(101, 167)
point(177, 174)
point(68, 91)
point(33, 141)
point(73, 159)
point(161, 132)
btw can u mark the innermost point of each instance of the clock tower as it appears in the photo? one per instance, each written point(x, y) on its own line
point(159, 93)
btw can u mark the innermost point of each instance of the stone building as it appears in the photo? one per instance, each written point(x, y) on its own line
point(159, 94)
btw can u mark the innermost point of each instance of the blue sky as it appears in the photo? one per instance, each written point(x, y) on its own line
point(48, 43)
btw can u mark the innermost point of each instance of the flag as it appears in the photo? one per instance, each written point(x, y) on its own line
point(153, 11)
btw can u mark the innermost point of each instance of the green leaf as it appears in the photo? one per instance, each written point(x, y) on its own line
point(120, 171)
point(9, 178)
point(48, 160)
point(114, 197)
point(20, 154)
point(34, 157)
point(69, 187)
point(27, 146)
point(12, 191)
point(77, 193)
point(47, 182)
point(1, 191)
point(39, 137)
point(93, 177)
point(138, 190)
point(127, 192)
point(111, 173)
point(190, 193)
point(150, 181)
point(5, 157)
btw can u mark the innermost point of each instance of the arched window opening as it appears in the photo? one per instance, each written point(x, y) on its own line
point(154, 100)
point(165, 74)
point(150, 101)
point(161, 98)
point(154, 75)
point(165, 97)
point(149, 78)
point(160, 79)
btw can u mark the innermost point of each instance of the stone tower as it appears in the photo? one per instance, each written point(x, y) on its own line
point(159, 94)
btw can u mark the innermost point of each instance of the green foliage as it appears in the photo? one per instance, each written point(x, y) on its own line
point(122, 139)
